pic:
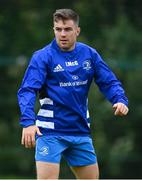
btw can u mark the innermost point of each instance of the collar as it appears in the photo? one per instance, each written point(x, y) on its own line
point(67, 54)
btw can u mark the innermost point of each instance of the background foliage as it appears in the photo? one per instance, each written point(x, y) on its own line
point(114, 28)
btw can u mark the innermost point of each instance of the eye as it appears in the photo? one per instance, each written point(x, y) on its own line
point(68, 29)
point(58, 29)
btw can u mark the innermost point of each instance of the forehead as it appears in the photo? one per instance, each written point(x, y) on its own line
point(64, 23)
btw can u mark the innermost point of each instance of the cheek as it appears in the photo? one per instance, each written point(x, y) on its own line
point(73, 36)
point(57, 34)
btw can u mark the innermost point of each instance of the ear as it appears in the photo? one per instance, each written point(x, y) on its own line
point(78, 31)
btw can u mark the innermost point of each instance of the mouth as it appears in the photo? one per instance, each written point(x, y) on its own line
point(63, 41)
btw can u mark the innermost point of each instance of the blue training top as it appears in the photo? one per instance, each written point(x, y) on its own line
point(62, 80)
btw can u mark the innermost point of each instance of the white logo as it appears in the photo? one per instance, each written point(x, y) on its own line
point(75, 77)
point(76, 83)
point(44, 150)
point(58, 68)
point(87, 64)
point(71, 63)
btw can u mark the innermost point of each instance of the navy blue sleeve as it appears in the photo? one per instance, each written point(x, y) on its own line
point(33, 80)
point(107, 82)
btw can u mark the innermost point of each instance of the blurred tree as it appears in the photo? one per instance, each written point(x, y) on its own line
point(114, 29)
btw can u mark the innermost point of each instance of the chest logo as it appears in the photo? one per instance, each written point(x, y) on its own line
point(58, 68)
point(87, 64)
point(74, 77)
point(71, 63)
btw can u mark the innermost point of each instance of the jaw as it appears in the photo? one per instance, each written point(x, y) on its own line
point(65, 45)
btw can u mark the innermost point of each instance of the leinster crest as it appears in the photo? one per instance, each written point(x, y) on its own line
point(87, 64)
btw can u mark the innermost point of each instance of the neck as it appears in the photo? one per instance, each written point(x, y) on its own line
point(67, 49)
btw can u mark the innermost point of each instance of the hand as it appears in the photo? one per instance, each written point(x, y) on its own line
point(120, 109)
point(28, 136)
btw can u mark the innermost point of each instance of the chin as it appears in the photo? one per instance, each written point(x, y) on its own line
point(64, 48)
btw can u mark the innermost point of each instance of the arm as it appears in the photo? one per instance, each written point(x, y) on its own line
point(33, 80)
point(110, 86)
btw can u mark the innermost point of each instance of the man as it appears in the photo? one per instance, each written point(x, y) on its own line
point(62, 73)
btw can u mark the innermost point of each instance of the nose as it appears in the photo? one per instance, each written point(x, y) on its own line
point(63, 33)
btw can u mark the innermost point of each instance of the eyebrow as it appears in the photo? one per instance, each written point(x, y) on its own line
point(66, 28)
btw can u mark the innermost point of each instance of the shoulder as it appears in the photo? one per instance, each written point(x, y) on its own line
point(42, 55)
point(91, 51)
point(43, 52)
point(86, 47)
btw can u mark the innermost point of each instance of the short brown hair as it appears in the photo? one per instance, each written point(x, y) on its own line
point(66, 14)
